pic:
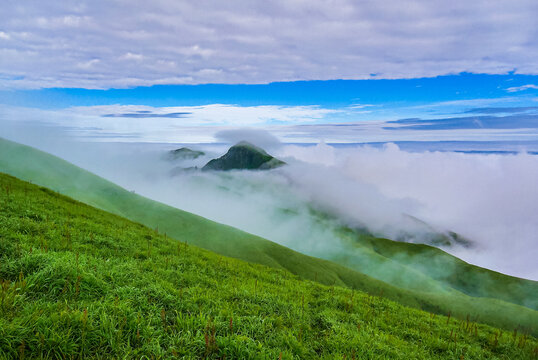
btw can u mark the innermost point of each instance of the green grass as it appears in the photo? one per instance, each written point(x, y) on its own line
point(77, 282)
point(455, 273)
point(371, 268)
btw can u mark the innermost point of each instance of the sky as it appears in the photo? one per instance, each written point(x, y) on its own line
point(119, 44)
point(463, 107)
point(177, 71)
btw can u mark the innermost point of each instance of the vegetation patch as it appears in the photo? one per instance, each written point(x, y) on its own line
point(64, 295)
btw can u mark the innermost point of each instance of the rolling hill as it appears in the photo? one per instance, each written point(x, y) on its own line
point(78, 282)
point(183, 154)
point(409, 285)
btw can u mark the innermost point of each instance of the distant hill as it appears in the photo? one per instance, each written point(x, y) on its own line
point(244, 156)
point(184, 153)
point(431, 236)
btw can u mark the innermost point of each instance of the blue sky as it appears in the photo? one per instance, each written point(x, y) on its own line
point(329, 94)
point(467, 107)
point(181, 71)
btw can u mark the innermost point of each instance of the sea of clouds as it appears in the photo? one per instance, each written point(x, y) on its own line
point(491, 199)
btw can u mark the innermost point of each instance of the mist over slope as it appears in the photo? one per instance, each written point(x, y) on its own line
point(166, 292)
point(416, 275)
point(490, 199)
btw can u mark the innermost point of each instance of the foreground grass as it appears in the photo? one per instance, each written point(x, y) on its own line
point(77, 282)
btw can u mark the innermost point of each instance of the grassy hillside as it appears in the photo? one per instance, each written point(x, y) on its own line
point(409, 285)
point(453, 272)
point(46, 170)
point(425, 268)
point(77, 282)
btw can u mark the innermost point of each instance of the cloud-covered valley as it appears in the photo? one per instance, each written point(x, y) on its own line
point(490, 199)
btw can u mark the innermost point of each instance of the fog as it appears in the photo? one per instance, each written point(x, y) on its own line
point(490, 199)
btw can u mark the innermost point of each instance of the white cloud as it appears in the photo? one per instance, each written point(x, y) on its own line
point(522, 88)
point(88, 64)
point(217, 114)
point(475, 195)
point(202, 124)
point(131, 56)
point(169, 124)
point(252, 42)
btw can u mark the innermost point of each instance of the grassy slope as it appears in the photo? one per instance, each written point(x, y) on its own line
point(456, 273)
point(79, 282)
point(383, 259)
point(47, 170)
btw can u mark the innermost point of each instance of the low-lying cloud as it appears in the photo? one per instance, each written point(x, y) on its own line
point(149, 114)
point(491, 199)
point(289, 124)
point(502, 110)
point(518, 121)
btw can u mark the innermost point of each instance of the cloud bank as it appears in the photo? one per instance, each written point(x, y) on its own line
point(490, 199)
point(103, 44)
point(288, 124)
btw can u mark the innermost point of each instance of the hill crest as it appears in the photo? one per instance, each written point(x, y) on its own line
point(244, 156)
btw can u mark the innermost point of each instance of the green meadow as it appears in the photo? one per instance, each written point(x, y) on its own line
point(78, 282)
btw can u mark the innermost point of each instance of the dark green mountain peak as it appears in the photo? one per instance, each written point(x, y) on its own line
point(184, 153)
point(244, 156)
